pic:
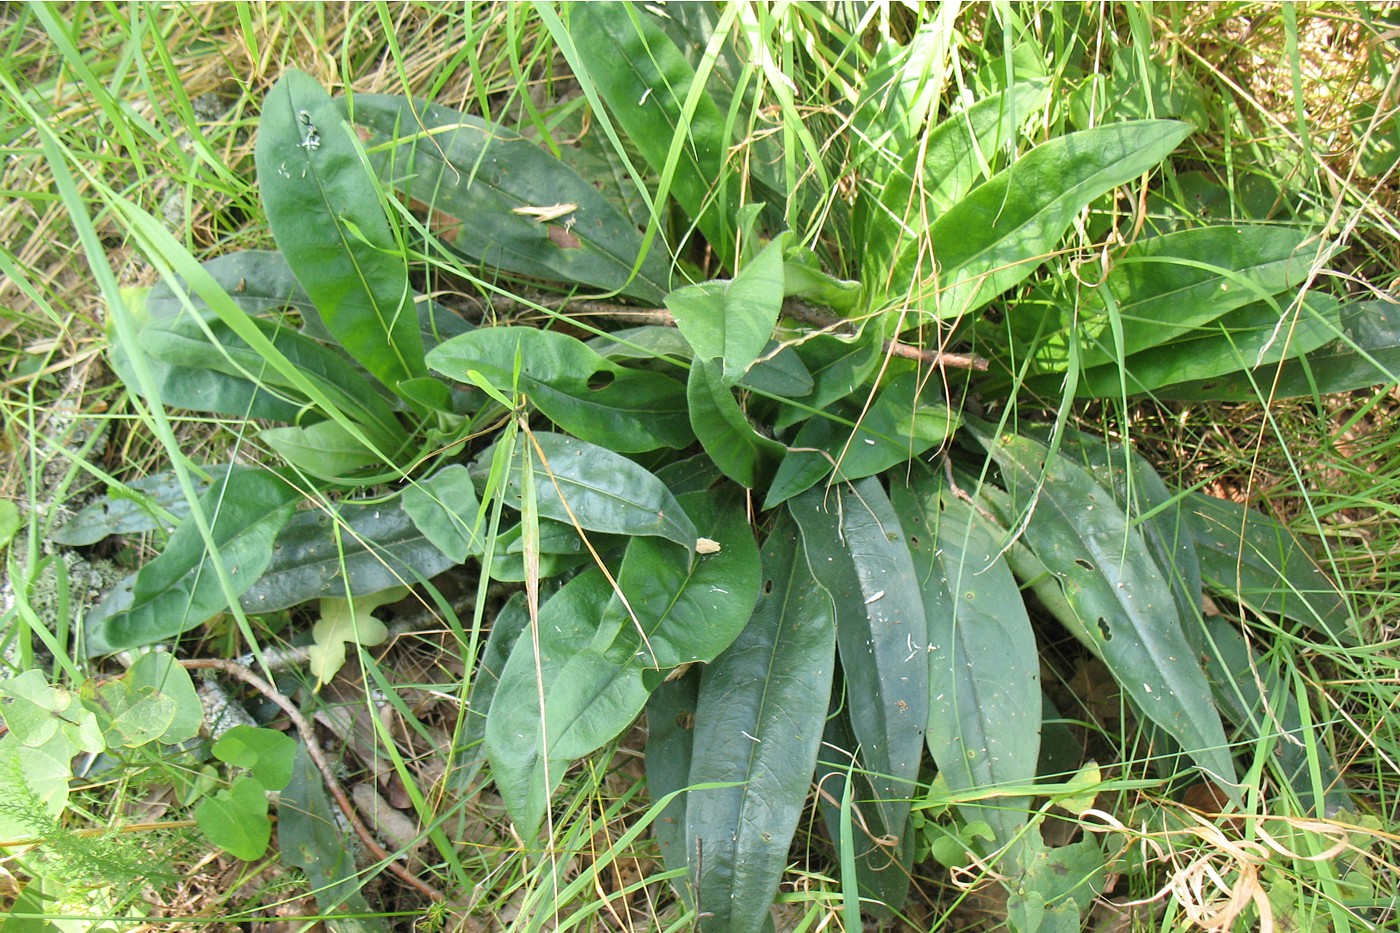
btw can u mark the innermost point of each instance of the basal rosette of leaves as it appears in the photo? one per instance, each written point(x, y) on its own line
point(773, 529)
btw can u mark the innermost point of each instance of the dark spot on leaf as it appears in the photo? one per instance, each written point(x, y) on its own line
point(562, 238)
point(1083, 563)
point(685, 720)
point(600, 380)
point(914, 540)
point(767, 587)
point(1104, 629)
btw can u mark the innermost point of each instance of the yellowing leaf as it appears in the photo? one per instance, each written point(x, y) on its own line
point(346, 620)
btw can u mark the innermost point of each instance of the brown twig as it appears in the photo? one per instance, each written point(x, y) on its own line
point(795, 308)
point(313, 748)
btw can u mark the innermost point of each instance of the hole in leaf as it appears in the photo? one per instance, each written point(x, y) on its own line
point(1104, 629)
point(1083, 563)
point(914, 540)
point(600, 380)
point(767, 587)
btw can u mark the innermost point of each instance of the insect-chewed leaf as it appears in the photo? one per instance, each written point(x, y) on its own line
point(1251, 557)
point(627, 410)
point(758, 721)
point(984, 670)
point(1122, 601)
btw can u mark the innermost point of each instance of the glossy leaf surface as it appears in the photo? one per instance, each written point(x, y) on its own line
point(1124, 605)
point(770, 688)
point(445, 508)
point(984, 668)
point(325, 213)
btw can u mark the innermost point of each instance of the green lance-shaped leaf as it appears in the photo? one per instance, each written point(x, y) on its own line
point(179, 589)
point(626, 410)
point(759, 719)
point(1248, 338)
point(492, 193)
point(1168, 286)
point(898, 426)
point(744, 455)
point(310, 838)
point(646, 83)
point(1251, 557)
point(857, 552)
point(956, 156)
point(984, 670)
point(1262, 704)
point(598, 490)
point(882, 852)
point(1366, 352)
point(1001, 232)
point(733, 321)
point(195, 388)
point(183, 342)
point(325, 212)
point(352, 550)
point(670, 732)
point(1120, 599)
point(325, 450)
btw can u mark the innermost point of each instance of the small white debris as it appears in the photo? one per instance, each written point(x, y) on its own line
point(706, 546)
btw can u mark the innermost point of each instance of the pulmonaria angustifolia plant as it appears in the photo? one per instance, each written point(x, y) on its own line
point(764, 520)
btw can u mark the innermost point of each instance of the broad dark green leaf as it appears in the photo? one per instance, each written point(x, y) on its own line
point(733, 321)
point(1366, 353)
point(1000, 233)
point(355, 550)
point(955, 157)
point(1247, 338)
point(837, 365)
point(770, 688)
point(626, 410)
point(682, 608)
point(645, 82)
point(857, 552)
point(743, 454)
point(804, 279)
point(1251, 557)
point(180, 589)
point(444, 506)
point(131, 509)
point(1167, 286)
point(1122, 602)
point(481, 181)
point(310, 837)
point(779, 371)
point(560, 549)
point(1253, 695)
point(579, 483)
point(325, 450)
point(1154, 510)
point(984, 669)
point(670, 731)
point(898, 426)
point(884, 851)
point(551, 671)
point(325, 213)
point(195, 388)
point(183, 342)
